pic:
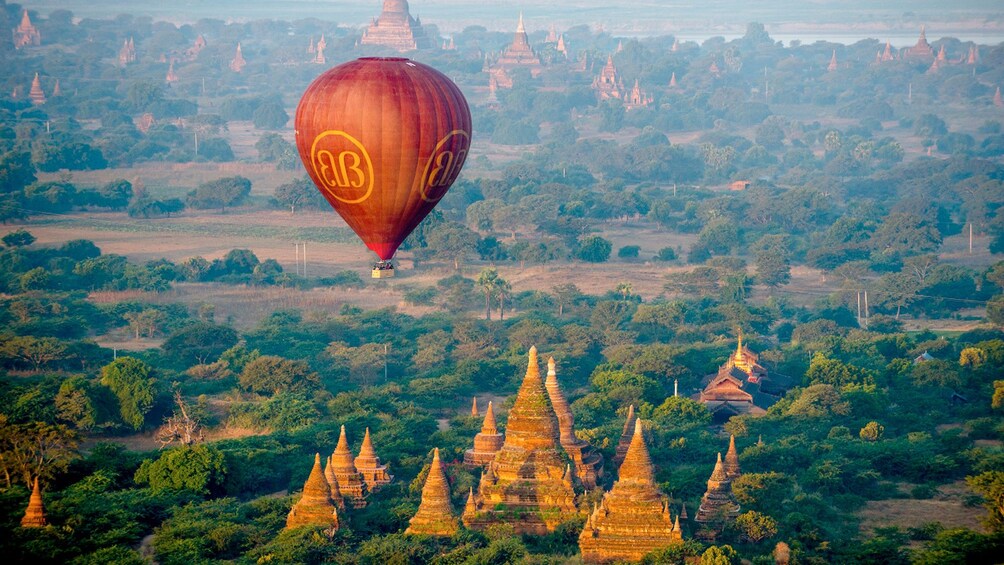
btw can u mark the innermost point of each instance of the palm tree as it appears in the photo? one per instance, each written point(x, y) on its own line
point(624, 289)
point(488, 282)
point(504, 289)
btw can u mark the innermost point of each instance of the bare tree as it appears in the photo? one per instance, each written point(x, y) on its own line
point(183, 426)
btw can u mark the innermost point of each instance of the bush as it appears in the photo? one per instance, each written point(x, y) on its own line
point(666, 254)
point(200, 469)
point(628, 252)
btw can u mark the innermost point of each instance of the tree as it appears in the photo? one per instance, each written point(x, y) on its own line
point(990, 484)
point(719, 555)
point(270, 374)
point(183, 426)
point(199, 343)
point(593, 249)
point(298, 193)
point(130, 381)
point(144, 322)
point(270, 115)
point(220, 193)
point(39, 351)
point(565, 294)
point(995, 311)
point(453, 242)
point(872, 431)
point(35, 450)
point(274, 149)
point(629, 252)
point(772, 255)
point(504, 290)
point(18, 238)
point(755, 526)
point(201, 469)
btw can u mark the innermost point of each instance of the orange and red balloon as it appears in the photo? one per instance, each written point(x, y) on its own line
point(383, 139)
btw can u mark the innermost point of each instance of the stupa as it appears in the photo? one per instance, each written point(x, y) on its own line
point(36, 95)
point(26, 34)
point(588, 463)
point(343, 467)
point(319, 58)
point(998, 101)
point(732, 460)
point(329, 475)
point(487, 443)
point(609, 84)
point(368, 465)
point(717, 503)
point(633, 518)
point(171, 75)
point(626, 434)
point(127, 54)
point(833, 62)
point(474, 408)
point(435, 515)
point(395, 28)
point(34, 515)
point(315, 507)
point(637, 98)
point(238, 63)
point(528, 484)
point(922, 48)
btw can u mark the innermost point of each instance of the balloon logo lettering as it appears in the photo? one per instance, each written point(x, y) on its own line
point(343, 166)
point(444, 165)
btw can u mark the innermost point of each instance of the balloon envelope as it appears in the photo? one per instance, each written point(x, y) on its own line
point(383, 139)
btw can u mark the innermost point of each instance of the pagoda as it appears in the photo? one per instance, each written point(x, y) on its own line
point(974, 55)
point(343, 467)
point(171, 75)
point(741, 386)
point(886, 55)
point(127, 54)
point(717, 503)
point(238, 63)
point(474, 408)
point(833, 62)
point(487, 443)
point(998, 101)
point(396, 29)
point(626, 434)
point(319, 58)
point(561, 47)
point(633, 518)
point(329, 475)
point(519, 54)
point(193, 52)
point(922, 49)
point(529, 482)
point(26, 34)
point(36, 95)
point(435, 515)
point(315, 507)
point(34, 515)
point(672, 81)
point(637, 98)
point(732, 460)
point(609, 84)
point(56, 91)
point(368, 465)
point(587, 462)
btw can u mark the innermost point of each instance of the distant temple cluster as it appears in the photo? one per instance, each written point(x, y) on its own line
point(26, 34)
point(741, 386)
point(610, 86)
point(532, 478)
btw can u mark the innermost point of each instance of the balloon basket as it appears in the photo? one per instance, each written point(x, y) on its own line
point(383, 270)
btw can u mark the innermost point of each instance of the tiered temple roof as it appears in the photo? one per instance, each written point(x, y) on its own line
point(34, 515)
point(528, 484)
point(717, 504)
point(171, 75)
point(487, 443)
point(609, 85)
point(318, 52)
point(922, 48)
point(435, 515)
point(395, 28)
point(519, 53)
point(637, 98)
point(741, 386)
point(315, 507)
point(588, 463)
point(36, 95)
point(26, 34)
point(626, 434)
point(343, 467)
point(633, 518)
point(238, 63)
point(368, 465)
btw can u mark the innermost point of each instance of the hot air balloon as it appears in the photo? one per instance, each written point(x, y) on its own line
point(383, 139)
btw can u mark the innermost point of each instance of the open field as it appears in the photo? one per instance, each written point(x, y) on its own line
point(946, 508)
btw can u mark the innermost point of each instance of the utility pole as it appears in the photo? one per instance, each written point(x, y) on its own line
point(859, 307)
point(296, 260)
point(970, 238)
point(866, 309)
point(386, 348)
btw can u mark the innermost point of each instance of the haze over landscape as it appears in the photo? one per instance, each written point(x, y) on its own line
point(379, 281)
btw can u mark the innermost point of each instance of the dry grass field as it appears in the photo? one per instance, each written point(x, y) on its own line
point(946, 508)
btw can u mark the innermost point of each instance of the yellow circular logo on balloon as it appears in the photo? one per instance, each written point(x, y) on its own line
point(444, 165)
point(342, 165)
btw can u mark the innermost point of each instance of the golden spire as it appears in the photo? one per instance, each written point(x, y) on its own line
point(34, 515)
point(637, 465)
point(435, 513)
point(519, 26)
point(342, 458)
point(366, 450)
point(732, 459)
point(718, 474)
point(489, 426)
point(626, 436)
point(315, 507)
point(474, 408)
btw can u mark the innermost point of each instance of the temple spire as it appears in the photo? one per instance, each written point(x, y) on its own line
point(315, 507)
point(519, 27)
point(474, 408)
point(36, 95)
point(350, 481)
point(486, 443)
point(998, 101)
point(34, 515)
point(626, 436)
point(732, 460)
point(435, 512)
point(368, 465)
point(637, 465)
